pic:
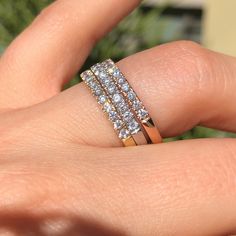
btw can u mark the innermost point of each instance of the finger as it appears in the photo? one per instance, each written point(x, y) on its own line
point(52, 49)
point(181, 85)
point(181, 188)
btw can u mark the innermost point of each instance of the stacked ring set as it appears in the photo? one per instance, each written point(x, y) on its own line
point(118, 100)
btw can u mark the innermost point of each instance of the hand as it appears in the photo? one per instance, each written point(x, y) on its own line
point(62, 171)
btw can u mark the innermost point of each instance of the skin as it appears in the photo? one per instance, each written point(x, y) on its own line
point(63, 170)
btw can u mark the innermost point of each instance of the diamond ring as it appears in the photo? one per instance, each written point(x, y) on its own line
point(119, 101)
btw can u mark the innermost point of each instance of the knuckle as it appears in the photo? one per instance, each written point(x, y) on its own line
point(192, 62)
point(187, 45)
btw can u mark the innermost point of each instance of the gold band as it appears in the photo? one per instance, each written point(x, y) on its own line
point(148, 126)
point(124, 109)
point(120, 103)
point(107, 107)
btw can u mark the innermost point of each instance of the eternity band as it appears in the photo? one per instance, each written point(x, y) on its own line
point(123, 107)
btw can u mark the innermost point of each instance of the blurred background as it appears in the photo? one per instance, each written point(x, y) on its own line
point(208, 22)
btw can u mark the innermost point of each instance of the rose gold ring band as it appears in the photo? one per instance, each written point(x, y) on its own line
point(123, 107)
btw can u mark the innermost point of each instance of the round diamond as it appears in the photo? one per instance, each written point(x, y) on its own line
point(106, 81)
point(107, 107)
point(93, 84)
point(133, 127)
point(116, 73)
point(142, 114)
point(118, 124)
point(110, 63)
point(111, 88)
point(123, 107)
point(137, 105)
point(125, 87)
point(88, 78)
point(124, 133)
point(121, 80)
point(128, 116)
point(131, 95)
point(98, 91)
point(102, 99)
point(102, 75)
point(110, 69)
point(112, 115)
point(117, 98)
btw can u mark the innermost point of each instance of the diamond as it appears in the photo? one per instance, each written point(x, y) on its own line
point(118, 124)
point(112, 115)
point(96, 72)
point(133, 127)
point(93, 85)
point(110, 63)
point(110, 70)
point(106, 81)
point(125, 87)
point(131, 95)
point(87, 78)
point(111, 88)
point(102, 75)
point(142, 113)
point(124, 133)
point(137, 105)
point(102, 99)
point(110, 67)
point(117, 98)
point(107, 107)
point(121, 80)
point(122, 107)
point(84, 74)
point(116, 73)
point(128, 116)
point(98, 91)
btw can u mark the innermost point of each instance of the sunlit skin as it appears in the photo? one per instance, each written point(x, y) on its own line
point(63, 170)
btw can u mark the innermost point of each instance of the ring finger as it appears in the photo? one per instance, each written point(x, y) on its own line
point(181, 84)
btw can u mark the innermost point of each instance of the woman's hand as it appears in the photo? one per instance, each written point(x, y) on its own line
point(62, 172)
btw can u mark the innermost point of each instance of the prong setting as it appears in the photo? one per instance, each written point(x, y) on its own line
point(123, 107)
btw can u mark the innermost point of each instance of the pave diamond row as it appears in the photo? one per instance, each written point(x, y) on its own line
point(126, 90)
point(107, 106)
point(117, 99)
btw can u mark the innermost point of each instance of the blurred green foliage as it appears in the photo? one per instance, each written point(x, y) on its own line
point(139, 31)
